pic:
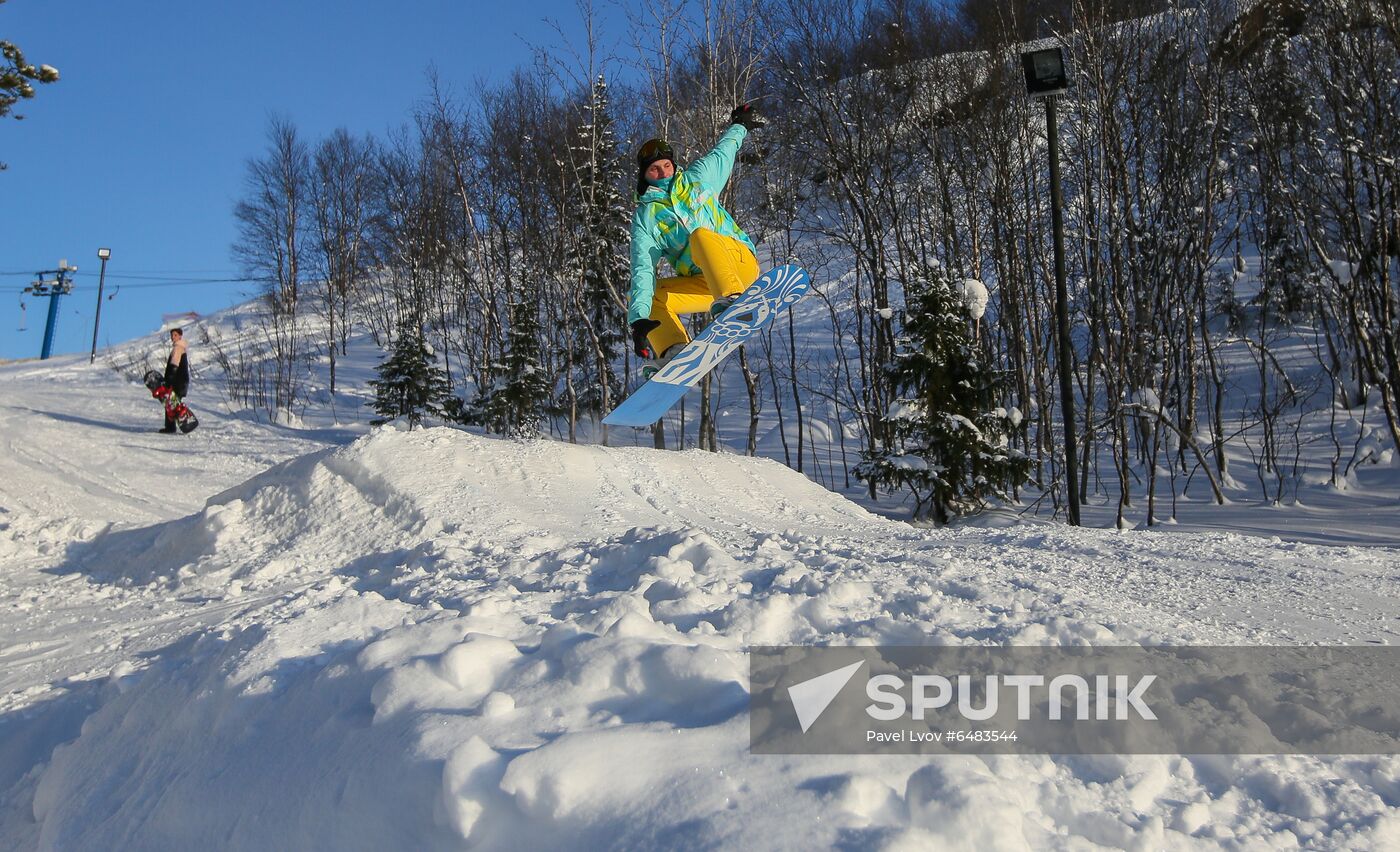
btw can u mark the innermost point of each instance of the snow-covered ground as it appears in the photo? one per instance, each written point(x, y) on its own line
point(258, 637)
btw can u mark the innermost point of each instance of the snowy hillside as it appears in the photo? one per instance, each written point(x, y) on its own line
point(257, 637)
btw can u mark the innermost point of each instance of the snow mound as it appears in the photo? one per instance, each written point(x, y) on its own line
point(453, 641)
point(413, 495)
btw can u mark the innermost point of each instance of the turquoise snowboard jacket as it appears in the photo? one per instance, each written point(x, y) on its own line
point(668, 212)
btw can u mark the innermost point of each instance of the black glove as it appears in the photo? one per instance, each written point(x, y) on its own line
point(746, 115)
point(640, 329)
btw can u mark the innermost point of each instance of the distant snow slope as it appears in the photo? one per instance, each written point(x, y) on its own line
point(432, 639)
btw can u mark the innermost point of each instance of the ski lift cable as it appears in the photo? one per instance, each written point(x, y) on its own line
point(144, 284)
point(135, 276)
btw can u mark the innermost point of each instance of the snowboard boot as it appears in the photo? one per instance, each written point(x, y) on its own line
point(655, 367)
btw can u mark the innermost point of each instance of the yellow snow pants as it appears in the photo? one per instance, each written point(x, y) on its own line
point(727, 268)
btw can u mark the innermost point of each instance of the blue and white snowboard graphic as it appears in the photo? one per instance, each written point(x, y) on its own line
point(773, 292)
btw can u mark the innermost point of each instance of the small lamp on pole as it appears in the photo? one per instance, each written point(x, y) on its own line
point(1046, 74)
point(102, 253)
point(1046, 79)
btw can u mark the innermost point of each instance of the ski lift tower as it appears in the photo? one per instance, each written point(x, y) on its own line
point(54, 288)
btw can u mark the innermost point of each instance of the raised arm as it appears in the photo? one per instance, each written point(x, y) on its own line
point(712, 171)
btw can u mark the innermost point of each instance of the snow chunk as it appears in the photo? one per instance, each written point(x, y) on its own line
point(911, 463)
point(975, 297)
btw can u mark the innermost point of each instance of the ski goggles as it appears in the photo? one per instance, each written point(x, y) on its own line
point(653, 150)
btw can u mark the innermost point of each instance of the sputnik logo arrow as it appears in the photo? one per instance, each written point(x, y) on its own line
point(810, 698)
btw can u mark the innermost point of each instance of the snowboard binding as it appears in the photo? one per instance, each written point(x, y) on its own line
point(656, 366)
point(720, 310)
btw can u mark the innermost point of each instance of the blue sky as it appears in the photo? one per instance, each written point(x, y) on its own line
point(142, 146)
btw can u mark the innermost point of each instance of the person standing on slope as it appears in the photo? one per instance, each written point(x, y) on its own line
point(177, 374)
point(679, 217)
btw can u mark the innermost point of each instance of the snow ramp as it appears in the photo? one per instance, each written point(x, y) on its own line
point(444, 641)
point(355, 509)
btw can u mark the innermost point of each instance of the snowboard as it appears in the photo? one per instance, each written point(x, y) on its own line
point(176, 410)
point(774, 292)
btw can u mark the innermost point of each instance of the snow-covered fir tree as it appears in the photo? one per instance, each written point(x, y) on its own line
point(948, 436)
point(18, 76)
point(410, 383)
point(598, 253)
point(517, 401)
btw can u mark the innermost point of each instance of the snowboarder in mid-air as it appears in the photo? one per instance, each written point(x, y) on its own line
point(679, 217)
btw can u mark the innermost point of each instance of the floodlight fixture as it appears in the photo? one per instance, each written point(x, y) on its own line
point(1046, 71)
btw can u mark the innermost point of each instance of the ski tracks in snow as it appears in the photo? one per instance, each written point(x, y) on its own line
point(499, 643)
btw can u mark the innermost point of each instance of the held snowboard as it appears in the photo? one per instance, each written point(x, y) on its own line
point(176, 410)
point(774, 292)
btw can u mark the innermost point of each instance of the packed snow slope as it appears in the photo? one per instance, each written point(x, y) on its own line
point(436, 640)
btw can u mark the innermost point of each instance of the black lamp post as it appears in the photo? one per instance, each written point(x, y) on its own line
point(102, 253)
point(1046, 79)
